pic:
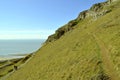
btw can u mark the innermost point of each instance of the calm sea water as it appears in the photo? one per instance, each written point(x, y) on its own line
point(11, 47)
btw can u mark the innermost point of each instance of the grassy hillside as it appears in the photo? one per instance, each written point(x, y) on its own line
point(89, 51)
point(8, 66)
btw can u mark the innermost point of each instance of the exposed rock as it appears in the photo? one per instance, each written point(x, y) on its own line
point(97, 7)
point(95, 11)
point(111, 1)
point(83, 15)
point(101, 13)
point(57, 35)
point(61, 31)
point(51, 38)
point(71, 25)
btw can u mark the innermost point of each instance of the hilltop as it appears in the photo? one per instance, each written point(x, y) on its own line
point(86, 48)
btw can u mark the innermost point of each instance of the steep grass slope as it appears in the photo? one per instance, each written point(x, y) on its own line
point(91, 51)
point(7, 66)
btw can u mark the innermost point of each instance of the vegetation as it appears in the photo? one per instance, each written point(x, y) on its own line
point(89, 51)
point(8, 66)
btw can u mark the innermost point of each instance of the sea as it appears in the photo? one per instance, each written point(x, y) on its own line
point(12, 48)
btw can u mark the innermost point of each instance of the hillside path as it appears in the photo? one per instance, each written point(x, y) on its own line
point(9, 74)
point(106, 59)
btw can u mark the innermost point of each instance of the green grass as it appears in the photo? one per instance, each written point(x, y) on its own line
point(77, 54)
point(7, 66)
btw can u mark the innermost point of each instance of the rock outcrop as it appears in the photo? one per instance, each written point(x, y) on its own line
point(61, 31)
point(95, 11)
point(83, 49)
point(111, 0)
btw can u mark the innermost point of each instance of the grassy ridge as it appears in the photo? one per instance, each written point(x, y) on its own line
point(77, 55)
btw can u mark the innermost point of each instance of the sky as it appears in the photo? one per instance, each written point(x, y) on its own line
point(37, 19)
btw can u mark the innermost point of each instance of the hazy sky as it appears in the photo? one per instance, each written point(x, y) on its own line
point(36, 19)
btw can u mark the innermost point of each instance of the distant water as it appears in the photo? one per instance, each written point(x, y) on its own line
point(11, 47)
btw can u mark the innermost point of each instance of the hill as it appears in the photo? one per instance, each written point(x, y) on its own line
point(86, 48)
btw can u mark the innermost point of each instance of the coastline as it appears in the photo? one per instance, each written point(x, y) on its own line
point(2, 58)
point(8, 63)
point(14, 56)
